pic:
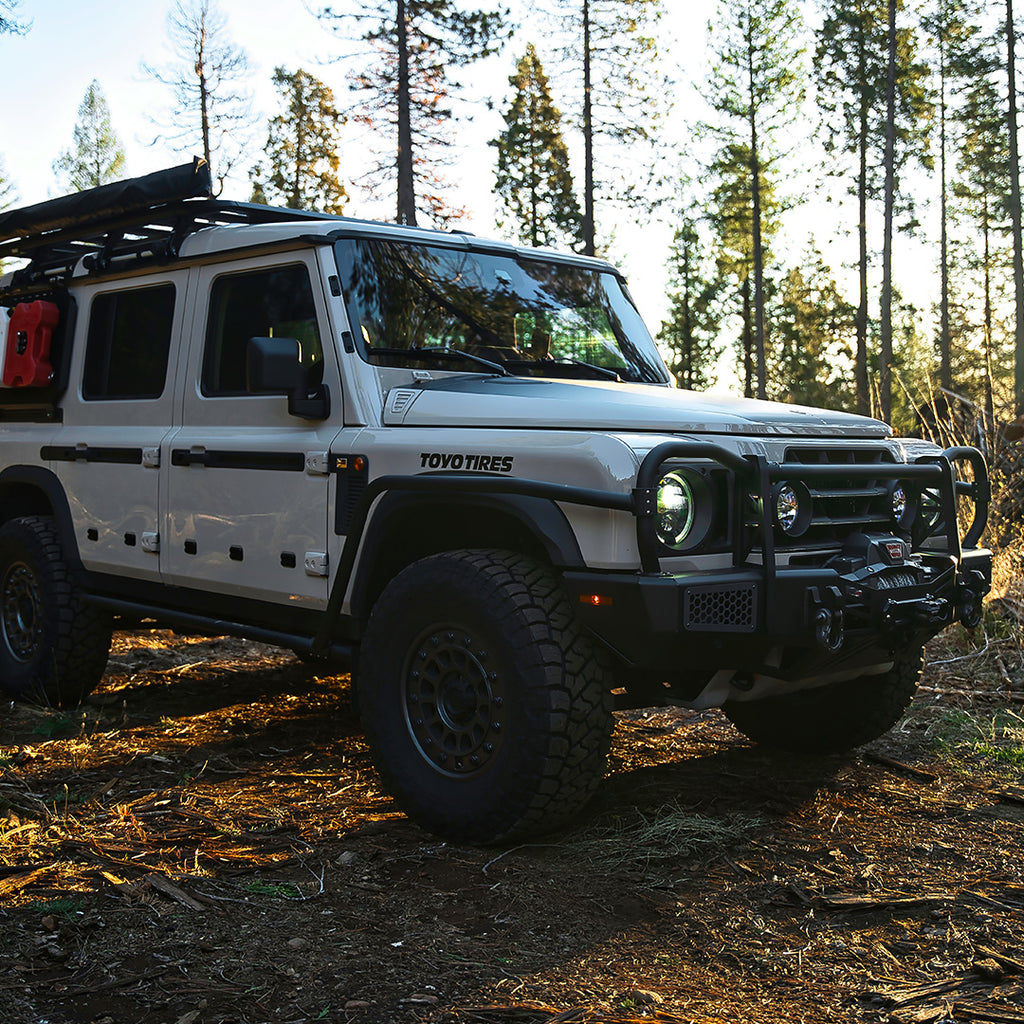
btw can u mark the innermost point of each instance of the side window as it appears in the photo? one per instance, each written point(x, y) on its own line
point(274, 303)
point(128, 344)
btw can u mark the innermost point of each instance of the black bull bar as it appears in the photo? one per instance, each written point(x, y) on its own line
point(754, 475)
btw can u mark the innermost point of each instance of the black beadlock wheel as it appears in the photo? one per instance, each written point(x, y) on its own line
point(833, 718)
point(53, 645)
point(486, 707)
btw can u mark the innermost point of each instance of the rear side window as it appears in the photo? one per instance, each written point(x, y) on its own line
point(273, 303)
point(128, 343)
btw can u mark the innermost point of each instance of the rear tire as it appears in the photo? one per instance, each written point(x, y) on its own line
point(832, 718)
point(486, 707)
point(53, 644)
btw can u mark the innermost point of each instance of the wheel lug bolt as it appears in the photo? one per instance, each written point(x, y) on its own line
point(498, 701)
point(475, 759)
point(488, 748)
point(496, 726)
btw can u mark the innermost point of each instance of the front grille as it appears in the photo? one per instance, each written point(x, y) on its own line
point(721, 608)
point(841, 506)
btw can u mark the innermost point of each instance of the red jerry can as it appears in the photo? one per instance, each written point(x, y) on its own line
point(27, 354)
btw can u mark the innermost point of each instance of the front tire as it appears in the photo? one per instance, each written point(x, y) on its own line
point(833, 718)
point(486, 708)
point(53, 644)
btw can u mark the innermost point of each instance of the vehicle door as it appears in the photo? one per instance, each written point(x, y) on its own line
point(117, 412)
point(248, 483)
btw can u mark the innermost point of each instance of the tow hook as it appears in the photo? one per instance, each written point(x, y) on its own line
point(829, 618)
point(968, 603)
point(926, 611)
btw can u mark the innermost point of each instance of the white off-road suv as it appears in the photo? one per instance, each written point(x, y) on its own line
point(461, 468)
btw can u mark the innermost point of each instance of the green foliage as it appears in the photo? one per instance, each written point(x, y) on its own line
point(533, 178)
point(689, 335)
point(302, 148)
point(813, 334)
point(97, 156)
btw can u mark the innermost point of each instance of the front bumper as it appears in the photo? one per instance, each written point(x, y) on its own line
point(792, 623)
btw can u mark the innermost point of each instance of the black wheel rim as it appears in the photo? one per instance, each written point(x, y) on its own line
point(21, 612)
point(453, 701)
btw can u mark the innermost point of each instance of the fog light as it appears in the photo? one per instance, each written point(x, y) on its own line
point(791, 503)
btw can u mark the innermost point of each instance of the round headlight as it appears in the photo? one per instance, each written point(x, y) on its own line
point(674, 517)
point(787, 507)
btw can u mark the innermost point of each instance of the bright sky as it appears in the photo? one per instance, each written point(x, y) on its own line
point(44, 75)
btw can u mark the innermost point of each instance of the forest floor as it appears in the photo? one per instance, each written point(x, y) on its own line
point(205, 842)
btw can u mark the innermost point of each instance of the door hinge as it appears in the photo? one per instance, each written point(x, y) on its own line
point(317, 463)
point(151, 458)
point(151, 543)
point(315, 563)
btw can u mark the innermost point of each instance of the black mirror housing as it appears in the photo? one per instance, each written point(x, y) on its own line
point(274, 366)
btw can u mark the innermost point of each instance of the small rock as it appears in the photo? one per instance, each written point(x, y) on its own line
point(988, 969)
point(646, 997)
point(297, 943)
point(49, 923)
point(347, 859)
point(357, 1004)
point(422, 999)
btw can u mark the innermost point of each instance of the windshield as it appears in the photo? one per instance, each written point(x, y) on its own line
point(422, 306)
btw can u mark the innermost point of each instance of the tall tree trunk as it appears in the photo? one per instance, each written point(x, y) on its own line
point(204, 92)
point(406, 190)
point(861, 365)
point(589, 233)
point(755, 195)
point(885, 346)
point(1018, 257)
point(748, 355)
point(990, 416)
point(945, 341)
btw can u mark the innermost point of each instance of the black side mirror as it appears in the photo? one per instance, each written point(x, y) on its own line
point(273, 366)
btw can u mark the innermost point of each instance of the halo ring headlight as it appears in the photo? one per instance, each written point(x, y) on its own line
point(675, 510)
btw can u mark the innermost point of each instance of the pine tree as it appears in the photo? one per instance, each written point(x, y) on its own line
point(981, 191)
point(1010, 35)
point(302, 147)
point(533, 178)
point(731, 216)
point(689, 335)
point(851, 62)
point(814, 337)
point(212, 108)
point(97, 156)
point(612, 47)
point(756, 87)
point(407, 86)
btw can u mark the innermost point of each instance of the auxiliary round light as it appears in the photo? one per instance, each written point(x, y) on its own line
point(675, 511)
point(898, 498)
point(787, 506)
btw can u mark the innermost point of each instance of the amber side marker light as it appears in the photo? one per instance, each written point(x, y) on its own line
point(596, 600)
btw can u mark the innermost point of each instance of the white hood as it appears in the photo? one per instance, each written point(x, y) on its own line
point(528, 402)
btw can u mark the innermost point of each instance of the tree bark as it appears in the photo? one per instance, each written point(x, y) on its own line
point(945, 341)
point(755, 196)
point(885, 341)
point(589, 233)
point(1015, 213)
point(406, 189)
point(861, 365)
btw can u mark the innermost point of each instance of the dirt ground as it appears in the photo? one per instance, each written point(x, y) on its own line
point(206, 842)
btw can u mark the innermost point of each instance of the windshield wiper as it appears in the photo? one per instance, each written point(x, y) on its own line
point(420, 351)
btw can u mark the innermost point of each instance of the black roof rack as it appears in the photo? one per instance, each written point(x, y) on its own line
point(138, 218)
